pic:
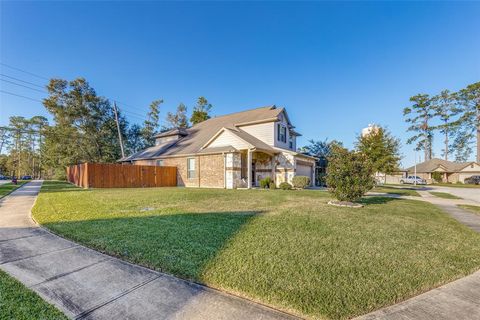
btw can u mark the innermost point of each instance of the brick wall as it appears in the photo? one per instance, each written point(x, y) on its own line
point(209, 171)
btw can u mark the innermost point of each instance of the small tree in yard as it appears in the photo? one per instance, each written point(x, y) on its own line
point(349, 174)
point(381, 148)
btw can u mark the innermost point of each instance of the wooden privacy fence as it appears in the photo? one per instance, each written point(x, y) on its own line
point(104, 175)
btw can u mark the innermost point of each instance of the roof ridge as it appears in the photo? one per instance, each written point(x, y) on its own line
point(234, 113)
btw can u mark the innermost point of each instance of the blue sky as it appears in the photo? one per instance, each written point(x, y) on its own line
point(336, 67)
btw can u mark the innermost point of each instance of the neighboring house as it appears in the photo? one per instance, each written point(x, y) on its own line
point(451, 171)
point(231, 151)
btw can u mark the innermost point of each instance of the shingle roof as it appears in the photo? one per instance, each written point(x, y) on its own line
point(431, 165)
point(199, 134)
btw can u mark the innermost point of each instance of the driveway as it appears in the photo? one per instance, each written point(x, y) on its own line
point(472, 194)
point(85, 284)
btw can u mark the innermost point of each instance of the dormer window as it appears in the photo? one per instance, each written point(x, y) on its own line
point(281, 133)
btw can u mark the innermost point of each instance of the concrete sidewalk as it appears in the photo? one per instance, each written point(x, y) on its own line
point(85, 284)
point(458, 300)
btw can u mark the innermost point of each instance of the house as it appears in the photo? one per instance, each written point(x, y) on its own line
point(231, 151)
point(451, 171)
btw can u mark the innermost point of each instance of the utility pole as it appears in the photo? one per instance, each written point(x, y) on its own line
point(415, 174)
point(115, 110)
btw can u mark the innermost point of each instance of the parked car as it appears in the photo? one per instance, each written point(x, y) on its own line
point(473, 180)
point(26, 178)
point(413, 180)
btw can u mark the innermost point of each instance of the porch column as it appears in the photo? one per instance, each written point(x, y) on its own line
point(273, 170)
point(249, 169)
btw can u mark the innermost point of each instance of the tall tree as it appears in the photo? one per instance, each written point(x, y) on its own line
point(177, 119)
point(469, 102)
point(445, 108)
point(321, 151)
point(151, 124)
point(85, 128)
point(381, 148)
point(419, 116)
point(201, 111)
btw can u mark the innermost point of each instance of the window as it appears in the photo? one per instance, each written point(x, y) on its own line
point(290, 144)
point(191, 173)
point(281, 133)
point(159, 162)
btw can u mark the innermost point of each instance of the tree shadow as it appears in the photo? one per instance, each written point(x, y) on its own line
point(372, 200)
point(180, 244)
point(59, 186)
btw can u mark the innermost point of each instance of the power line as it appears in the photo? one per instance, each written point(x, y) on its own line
point(45, 78)
point(24, 71)
point(19, 95)
point(21, 85)
point(30, 83)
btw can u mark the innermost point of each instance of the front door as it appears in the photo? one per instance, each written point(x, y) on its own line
point(254, 179)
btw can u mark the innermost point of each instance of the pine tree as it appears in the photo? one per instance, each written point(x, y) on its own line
point(419, 116)
point(201, 111)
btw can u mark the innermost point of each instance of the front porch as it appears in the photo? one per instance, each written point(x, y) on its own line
point(245, 168)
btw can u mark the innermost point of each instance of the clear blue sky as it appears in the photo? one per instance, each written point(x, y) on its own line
point(336, 67)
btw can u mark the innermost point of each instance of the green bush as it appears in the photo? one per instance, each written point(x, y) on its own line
point(265, 182)
point(437, 176)
point(285, 186)
point(301, 182)
point(272, 185)
point(349, 174)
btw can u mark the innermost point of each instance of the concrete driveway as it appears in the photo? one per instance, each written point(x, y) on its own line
point(472, 194)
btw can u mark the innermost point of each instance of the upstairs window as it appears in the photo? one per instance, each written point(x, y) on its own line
point(281, 133)
point(191, 173)
point(159, 162)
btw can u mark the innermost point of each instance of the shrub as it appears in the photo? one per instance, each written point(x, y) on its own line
point(272, 185)
point(265, 182)
point(437, 176)
point(285, 186)
point(349, 174)
point(301, 182)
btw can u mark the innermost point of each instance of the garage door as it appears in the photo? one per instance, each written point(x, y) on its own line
point(303, 170)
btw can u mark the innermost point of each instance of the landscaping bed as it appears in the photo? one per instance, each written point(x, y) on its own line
point(287, 249)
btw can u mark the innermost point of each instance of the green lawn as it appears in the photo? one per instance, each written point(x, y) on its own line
point(474, 209)
point(403, 191)
point(287, 249)
point(6, 188)
point(18, 302)
point(444, 195)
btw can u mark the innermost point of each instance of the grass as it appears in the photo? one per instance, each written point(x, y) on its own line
point(19, 302)
point(444, 195)
point(474, 209)
point(287, 249)
point(7, 188)
point(403, 191)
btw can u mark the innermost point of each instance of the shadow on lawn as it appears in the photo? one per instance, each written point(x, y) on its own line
point(59, 186)
point(377, 200)
point(180, 244)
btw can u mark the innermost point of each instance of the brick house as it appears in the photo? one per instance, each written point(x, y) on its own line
point(231, 151)
point(450, 171)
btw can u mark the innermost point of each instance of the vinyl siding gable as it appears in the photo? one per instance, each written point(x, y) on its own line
point(262, 131)
point(226, 138)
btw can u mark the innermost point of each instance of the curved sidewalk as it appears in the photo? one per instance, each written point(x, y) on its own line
point(458, 300)
point(85, 284)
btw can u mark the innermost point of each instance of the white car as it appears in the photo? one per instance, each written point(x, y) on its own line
point(413, 180)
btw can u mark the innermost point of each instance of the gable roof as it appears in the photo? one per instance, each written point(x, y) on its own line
point(198, 135)
point(431, 165)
